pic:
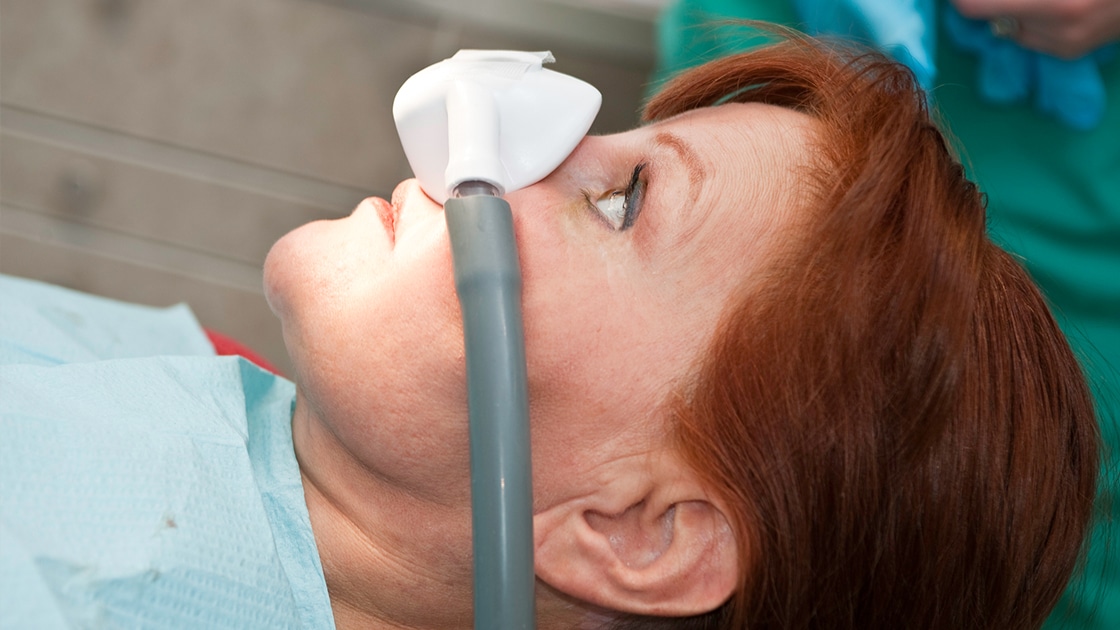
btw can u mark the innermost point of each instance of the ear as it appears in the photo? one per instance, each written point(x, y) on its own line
point(650, 542)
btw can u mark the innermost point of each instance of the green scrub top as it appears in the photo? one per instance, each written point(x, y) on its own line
point(1053, 200)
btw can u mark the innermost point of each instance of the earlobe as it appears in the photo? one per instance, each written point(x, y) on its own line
point(655, 556)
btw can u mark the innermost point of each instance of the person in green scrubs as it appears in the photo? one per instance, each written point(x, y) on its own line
point(1053, 199)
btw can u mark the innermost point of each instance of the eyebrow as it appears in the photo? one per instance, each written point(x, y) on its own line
point(687, 156)
point(696, 176)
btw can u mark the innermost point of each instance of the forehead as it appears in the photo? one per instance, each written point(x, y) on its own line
point(744, 134)
point(732, 176)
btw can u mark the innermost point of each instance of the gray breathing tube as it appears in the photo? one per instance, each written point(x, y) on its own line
point(488, 281)
point(473, 127)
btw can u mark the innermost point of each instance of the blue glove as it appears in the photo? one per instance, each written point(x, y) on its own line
point(1070, 91)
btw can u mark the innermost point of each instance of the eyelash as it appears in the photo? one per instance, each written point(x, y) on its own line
point(631, 201)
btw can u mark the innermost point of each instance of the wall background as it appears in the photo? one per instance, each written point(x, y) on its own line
point(153, 150)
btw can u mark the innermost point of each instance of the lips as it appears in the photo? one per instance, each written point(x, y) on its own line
point(407, 193)
point(388, 214)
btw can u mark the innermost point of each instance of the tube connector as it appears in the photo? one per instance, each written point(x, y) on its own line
point(475, 188)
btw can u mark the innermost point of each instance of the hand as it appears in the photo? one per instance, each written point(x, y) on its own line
point(1064, 28)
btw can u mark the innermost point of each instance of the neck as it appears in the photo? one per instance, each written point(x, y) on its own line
point(394, 557)
point(390, 559)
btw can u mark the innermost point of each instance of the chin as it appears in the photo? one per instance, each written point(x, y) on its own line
point(278, 272)
point(314, 262)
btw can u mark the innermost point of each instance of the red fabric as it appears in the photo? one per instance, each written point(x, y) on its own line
point(224, 345)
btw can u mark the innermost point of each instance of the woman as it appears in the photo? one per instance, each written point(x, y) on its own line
point(779, 377)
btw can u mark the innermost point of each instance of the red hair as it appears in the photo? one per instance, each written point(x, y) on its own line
point(900, 430)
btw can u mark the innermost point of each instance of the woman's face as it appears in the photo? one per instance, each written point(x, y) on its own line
point(629, 252)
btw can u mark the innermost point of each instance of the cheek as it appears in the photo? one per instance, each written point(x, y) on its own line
point(380, 359)
point(597, 358)
point(607, 344)
point(348, 303)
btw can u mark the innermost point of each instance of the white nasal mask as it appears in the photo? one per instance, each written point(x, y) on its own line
point(493, 116)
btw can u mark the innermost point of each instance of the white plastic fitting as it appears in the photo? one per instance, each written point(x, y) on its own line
point(495, 116)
